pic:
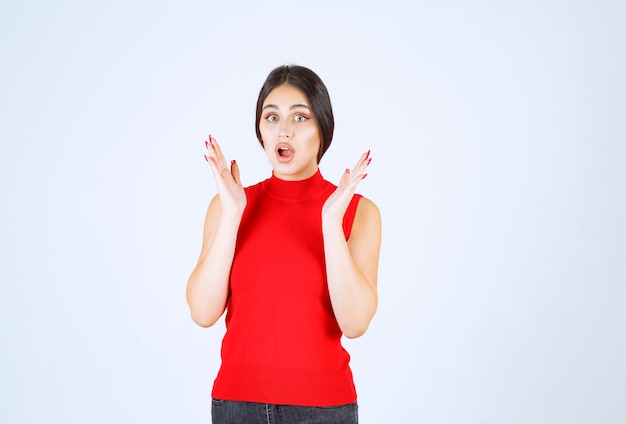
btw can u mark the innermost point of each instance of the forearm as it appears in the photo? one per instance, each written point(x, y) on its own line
point(354, 298)
point(207, 289)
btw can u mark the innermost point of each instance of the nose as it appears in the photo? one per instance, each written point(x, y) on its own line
point(285, 130)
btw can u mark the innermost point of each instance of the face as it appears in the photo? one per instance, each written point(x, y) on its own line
point(290, 134)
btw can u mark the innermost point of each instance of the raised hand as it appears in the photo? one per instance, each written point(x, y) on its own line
point(232, 195)
point(337, 203)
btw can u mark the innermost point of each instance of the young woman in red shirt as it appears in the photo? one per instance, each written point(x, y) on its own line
point(293, 260)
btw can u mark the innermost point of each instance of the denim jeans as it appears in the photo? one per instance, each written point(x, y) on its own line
point(233, 412)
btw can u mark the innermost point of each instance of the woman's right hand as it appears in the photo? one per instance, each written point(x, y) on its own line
point(207, 288)
point(232, 195)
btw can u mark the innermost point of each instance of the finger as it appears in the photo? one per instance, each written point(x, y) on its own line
point(234, 170)
point(212, 157)
point(349, 181)
point(213, 165)
point(345, 178)
point(363, 161)
point(358, 172)
point(216, 152)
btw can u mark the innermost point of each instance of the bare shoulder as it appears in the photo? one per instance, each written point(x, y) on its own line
point(367, 212)
point(367, 221)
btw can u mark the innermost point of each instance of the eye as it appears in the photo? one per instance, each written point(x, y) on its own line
point(271, 118)
point(299, 117)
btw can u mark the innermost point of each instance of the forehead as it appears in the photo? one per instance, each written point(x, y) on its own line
point(286, 95)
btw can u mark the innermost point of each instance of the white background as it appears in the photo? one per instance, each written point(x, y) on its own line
point(498, 136)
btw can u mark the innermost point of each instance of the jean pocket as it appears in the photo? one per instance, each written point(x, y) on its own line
point(346, 406)
point(218, 402)
point(343, 413)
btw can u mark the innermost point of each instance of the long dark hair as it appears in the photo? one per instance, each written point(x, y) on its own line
point(314, 90)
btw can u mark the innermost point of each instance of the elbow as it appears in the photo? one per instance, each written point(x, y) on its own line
point(204, 319)
point(205, 312)
point(355, 332)
point(204, 322)
point(357, 326)
point(356, 329)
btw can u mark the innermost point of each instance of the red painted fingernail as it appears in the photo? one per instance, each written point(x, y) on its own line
point(347, 171)
point(369, 161)
point(363, 177)
point(233, 162)
point(206, 158)
point(206, 143)
point(368, 154)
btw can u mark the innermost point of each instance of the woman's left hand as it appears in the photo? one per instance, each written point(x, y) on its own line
point(336, 205)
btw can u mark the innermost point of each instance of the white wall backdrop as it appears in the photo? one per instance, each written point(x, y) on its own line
point(498, 134)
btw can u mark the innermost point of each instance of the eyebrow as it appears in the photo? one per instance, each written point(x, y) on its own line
point(292, 107)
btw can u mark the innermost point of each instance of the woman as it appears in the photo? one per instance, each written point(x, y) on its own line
point(293, 260)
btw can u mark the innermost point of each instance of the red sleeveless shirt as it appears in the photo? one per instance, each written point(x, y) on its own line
point(282, 342)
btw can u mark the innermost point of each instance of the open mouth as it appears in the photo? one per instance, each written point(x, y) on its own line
point(285, 153)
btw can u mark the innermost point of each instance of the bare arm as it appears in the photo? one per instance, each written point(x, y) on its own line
point(352, 265)
point(207, 288)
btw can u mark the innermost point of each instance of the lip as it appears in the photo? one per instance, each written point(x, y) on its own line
point(284, 152)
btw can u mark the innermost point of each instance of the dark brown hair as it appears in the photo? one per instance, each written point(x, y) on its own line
point(314, 90)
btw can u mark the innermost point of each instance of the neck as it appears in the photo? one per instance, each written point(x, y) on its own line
point(304, 174)
point(294, 189)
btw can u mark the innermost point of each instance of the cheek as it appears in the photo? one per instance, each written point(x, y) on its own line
point(265, 130)
point(266, 139)
point(263, 133)
point(314, 137)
